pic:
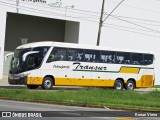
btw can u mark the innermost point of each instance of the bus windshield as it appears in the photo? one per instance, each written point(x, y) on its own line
point(33, 61)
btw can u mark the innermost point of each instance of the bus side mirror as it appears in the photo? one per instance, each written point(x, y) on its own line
point(28, 53)
point(6, 56)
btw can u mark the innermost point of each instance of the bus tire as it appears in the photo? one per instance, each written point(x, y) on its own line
point(47, 83)
point(118, 85)
point(130, 85)
point(32, 86)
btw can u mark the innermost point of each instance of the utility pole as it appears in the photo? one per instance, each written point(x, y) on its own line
point(101, 19)
point(100, 23)
point(17, 4)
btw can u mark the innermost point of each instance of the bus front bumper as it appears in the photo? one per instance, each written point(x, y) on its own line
point(17, 80)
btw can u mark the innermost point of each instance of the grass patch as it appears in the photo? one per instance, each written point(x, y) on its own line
point(92, 97)
point(157, 86)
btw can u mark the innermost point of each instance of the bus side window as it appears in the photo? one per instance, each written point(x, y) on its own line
point(148, 59)
point(80, 55)
point(91, 56)
point(107, 57)
point(137, 59)
point(52, 55)
point(61, 54)
point(74, 54)
point(123, 58)
point(57, 54)
point(70, 54)
point(96, 56)
point(87, 55)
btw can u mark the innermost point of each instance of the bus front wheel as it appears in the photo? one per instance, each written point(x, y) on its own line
point(118, 85)
point(130, 85)
point(47, 83)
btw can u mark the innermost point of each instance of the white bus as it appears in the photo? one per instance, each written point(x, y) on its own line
point(65, 64)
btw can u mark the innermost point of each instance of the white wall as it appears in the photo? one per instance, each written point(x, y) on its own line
point(71, 32)
point(88, 33)
point(3, 16)
point(2, 38)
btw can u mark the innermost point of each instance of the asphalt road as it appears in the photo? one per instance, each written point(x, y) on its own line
point(60, 112)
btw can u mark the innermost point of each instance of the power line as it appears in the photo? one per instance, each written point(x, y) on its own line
point(93, 12)
point(157, 25)
point(69, 16)
point(60, 8)
point(113, 10)
point(32, 8)
point(97, 21)
point(136, 19)
point(133, 32)
point(79, 11)
point(136, 24)
point(130, 28)
point(51, 13)
point(153, 11)
point(39, 11)
point(102, 21)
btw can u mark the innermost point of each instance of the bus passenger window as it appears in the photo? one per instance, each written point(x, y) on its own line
point(107, 57)
point(96, 56)
point(123, 58)
point(57, 54)
point(148, 59)
point(80, 55)
point(60, 55)
point(70, 54)
point(137, 58)
point(91, 56)
point(74, 54)
point(87, 55)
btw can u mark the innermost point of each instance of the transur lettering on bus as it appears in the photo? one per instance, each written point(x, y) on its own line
point(88, 67)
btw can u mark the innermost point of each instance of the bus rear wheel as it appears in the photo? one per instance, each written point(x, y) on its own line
point(118, 85)
point(32, 86)
point(47, 83)
point(130, 85)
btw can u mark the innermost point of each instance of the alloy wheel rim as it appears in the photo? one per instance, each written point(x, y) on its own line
point(130, 86)
point(118, 86)
point(47, 83)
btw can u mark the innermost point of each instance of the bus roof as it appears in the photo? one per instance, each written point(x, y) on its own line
point(74, 45)
point(35, 44)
